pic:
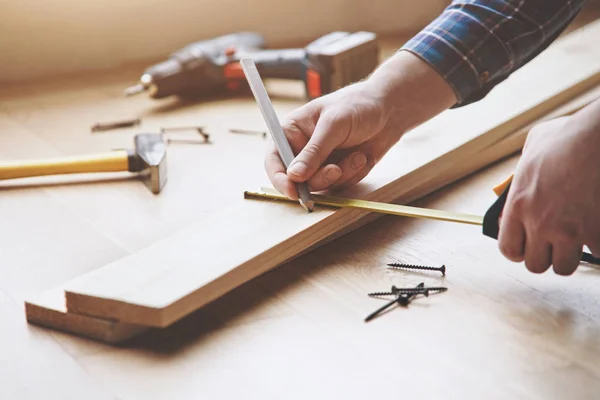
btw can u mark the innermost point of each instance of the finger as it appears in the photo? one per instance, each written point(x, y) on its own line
point(566, 257)
point(306, 116)
point(360, 174)
point(299, 125)
point(328, 134)
point(325, 177)
point(511, 236)
point(297, 132)
point(374, 151)
point(276, 173)
point(352, 164)
point(538, 255)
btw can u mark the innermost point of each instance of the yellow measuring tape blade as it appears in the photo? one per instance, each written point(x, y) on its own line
point(384, 208)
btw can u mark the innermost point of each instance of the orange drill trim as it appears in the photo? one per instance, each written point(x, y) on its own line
point(313, 83)
point(233, 85)
point(499, 189)
point(234, 71)
point(230, 51)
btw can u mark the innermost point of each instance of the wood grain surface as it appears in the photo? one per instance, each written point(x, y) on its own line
point(296, 332)
point(170, 279)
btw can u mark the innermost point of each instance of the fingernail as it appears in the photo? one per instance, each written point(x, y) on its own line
point(332, 175)
point(358, 161)
point(298, 169)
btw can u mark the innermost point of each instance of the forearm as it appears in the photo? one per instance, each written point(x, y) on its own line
point(412, 92)
point(474, 45)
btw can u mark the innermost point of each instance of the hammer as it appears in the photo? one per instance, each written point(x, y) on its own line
point(148, 159)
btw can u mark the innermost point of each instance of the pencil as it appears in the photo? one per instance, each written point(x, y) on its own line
point(283, 146)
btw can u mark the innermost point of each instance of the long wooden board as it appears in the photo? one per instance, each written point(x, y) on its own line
point(49, 309)
point(166, 281)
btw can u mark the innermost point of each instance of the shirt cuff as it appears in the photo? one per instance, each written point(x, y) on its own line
point(469, 75)
point(474, 45)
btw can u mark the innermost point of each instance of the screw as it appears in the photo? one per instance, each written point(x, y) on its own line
point(397, 291)
point(184, 141)
point(402, 299)
point(393, 291)
point(106, 126)
point(198, 129)
point(249, 131)
point(442, 269)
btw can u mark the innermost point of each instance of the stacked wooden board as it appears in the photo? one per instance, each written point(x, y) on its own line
point(165, 282)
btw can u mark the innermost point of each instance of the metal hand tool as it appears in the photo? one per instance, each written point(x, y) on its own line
point(147, 159)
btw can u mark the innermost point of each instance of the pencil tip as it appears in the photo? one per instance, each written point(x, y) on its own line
point(308, 206)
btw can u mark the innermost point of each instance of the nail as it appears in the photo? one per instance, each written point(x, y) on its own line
point(299, 169)
point(358, 161)
point(332, 175)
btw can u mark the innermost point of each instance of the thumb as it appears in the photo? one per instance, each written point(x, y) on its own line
point(329, 133)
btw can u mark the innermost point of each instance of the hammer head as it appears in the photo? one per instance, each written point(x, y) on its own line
point(150, 160)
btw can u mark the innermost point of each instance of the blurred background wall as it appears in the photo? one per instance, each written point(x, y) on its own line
point(40, 38)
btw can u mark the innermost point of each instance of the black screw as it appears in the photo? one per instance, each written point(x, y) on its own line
point(442, 269)
point(403, 299)
point(393, 291)
point(396, 291)
point(407, 297)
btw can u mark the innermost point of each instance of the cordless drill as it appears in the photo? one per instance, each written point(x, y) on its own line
point(212, 66)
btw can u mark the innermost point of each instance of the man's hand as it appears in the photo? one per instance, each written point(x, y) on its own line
point(338, 138)
point(552, 208)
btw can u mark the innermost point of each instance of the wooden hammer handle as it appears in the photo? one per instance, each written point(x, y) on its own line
point(105, 162)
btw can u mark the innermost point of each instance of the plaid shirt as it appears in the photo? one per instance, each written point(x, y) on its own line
point(477, 44)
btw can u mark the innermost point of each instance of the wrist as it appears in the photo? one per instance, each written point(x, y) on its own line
point(588, 118)
point(411, 91)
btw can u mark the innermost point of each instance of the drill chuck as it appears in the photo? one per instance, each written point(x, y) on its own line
point(146, 83)
point(172, 77)
point(195, 69)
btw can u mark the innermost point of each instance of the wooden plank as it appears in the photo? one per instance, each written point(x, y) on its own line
point(168, 280)
point(313, 309)
point(173, 278)
point(49, 310)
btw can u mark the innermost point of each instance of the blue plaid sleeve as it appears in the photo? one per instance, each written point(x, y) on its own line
point(474, 45)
